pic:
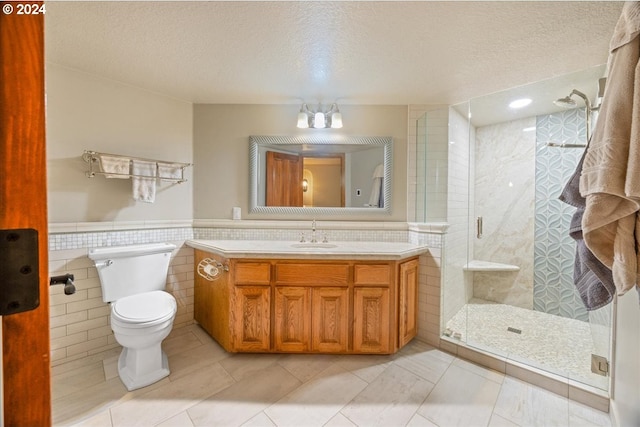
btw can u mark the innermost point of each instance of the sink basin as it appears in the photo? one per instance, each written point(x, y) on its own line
point(314, 245)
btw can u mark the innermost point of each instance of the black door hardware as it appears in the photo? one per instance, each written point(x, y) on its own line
point(66, 280)
point(19, 271)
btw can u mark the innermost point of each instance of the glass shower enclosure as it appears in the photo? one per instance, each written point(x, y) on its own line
point(494, 175)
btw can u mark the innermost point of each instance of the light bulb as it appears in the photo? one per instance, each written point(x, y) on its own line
point(303, 120)
point(318, 121)
point(336, 120)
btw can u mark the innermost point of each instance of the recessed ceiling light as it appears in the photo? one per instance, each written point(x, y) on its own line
point(519, 103)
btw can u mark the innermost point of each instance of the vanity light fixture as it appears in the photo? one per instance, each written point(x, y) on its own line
point(319, 119)
point(305, 185)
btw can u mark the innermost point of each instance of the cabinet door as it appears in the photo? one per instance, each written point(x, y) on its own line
point(329, 320)
point(252, 318)
point(408, 302)
point(371, 320)
point(292, 331)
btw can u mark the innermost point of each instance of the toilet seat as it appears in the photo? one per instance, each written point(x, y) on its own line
point(145, 309)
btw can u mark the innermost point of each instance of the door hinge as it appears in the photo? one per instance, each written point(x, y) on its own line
point(19, 270)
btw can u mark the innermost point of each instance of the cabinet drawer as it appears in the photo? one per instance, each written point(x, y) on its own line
point(371, 274)
point(312, 274)
point(253, 273)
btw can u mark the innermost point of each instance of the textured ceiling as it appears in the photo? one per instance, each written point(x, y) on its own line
point(353, 52)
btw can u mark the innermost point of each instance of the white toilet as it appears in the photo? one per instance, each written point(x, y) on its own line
point(142, 313)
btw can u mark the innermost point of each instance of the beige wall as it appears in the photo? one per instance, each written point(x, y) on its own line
point(86, 112)
point(221, 152)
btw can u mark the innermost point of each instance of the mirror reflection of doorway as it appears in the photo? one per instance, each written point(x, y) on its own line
point(312, 181)
point(284, 179)
point(326, 186)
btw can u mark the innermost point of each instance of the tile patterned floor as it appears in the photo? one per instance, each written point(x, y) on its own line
point(556, 344)
point(418, 386)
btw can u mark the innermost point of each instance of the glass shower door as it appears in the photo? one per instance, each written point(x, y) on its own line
point(513, 295)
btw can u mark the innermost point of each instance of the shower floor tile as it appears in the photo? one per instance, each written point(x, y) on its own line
point(555, 344)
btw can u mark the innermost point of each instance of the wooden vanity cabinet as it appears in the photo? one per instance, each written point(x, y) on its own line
point(251, 306)
point(309, 306)
point(373, 285)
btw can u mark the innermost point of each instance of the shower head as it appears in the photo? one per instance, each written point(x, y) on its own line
point(568, 102)
point(565, 102)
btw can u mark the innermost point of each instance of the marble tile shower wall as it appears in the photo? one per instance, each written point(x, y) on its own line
point(553, 288)
point(504, 198)
point(79, 323)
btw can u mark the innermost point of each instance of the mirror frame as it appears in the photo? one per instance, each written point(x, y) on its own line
point(263, 140)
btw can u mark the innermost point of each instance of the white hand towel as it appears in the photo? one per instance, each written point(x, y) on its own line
point(169, 171)
point(376, 188)
point(378, 172)
point(144, 189)
point(118, 166)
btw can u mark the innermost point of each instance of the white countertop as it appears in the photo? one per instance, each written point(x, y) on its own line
point(296, 250)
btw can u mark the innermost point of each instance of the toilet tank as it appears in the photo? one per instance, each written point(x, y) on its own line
point(129, 270)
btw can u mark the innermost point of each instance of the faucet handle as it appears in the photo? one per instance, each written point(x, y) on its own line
point(325, 238)
point(302, 239)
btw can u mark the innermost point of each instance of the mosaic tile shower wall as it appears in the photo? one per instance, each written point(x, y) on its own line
point(554, 250)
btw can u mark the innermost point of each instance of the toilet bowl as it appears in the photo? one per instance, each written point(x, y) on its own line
point(142, 313)
point(140, 322)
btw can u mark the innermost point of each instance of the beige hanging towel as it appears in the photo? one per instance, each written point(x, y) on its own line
point(610, 179)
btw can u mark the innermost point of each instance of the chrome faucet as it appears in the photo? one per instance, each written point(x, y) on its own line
point(313, 232)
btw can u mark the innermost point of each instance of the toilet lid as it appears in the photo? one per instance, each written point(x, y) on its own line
point(145, 307)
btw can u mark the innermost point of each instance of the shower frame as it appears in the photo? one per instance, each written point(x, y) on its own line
point(425, 208)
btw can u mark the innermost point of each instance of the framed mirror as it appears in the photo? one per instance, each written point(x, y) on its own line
point(328, 174)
